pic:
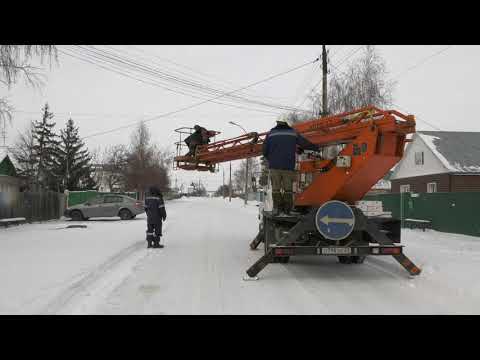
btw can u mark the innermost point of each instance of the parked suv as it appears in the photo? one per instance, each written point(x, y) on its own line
point(106, 206)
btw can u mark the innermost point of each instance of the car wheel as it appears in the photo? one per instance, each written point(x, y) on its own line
point(76, 215)
point(125, 214)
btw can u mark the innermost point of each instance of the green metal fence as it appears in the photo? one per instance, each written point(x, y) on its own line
point(455, 212)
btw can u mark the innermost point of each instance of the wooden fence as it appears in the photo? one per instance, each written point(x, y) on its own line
point(33, 206)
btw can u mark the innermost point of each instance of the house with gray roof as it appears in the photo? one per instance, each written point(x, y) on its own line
point(439, 161)
point(9, 181)
point(9, 185)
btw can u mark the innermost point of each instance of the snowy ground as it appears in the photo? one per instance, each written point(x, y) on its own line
point(106, 269)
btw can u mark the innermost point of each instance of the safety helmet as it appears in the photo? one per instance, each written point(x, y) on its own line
point(283, 119)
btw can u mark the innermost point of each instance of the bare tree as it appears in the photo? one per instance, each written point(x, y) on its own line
point(5, 112)
point(239, 175)
point(146, 163)
point(24, 153)
point(363, 83)
point(113, 166)
point(15, 63)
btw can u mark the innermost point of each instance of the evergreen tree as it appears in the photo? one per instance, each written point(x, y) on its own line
point(45, 150)
point(73, 160)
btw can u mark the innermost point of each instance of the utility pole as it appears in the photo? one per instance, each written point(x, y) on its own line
point(230, 187)
point(246, 181)
point(223, 183)
point(246, 166)
point(324, 81)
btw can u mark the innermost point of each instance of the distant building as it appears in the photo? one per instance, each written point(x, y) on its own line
point(439, 161)
point(383, 186)
point(101, 175)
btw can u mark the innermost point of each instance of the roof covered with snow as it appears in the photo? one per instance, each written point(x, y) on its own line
point(458, 151)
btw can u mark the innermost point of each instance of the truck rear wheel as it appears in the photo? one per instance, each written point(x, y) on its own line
point(345, 259)
point(358, 259)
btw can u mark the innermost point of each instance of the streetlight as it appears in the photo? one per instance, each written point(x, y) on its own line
point(246, 167)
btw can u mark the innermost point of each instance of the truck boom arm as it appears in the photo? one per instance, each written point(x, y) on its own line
point(372, 141)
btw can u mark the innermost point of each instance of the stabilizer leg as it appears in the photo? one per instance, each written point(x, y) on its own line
point(258, 239)
point(383, 239)
point(407, 264)
point(260, 264)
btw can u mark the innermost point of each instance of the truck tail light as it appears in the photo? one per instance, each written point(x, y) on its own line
point(391, 250)
point(280, 252)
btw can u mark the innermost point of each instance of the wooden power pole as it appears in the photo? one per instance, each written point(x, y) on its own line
point(324, 81)
point(230, 186)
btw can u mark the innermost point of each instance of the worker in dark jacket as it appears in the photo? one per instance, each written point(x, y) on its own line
point(156, 213)
point(280, 148)
point(200, 136)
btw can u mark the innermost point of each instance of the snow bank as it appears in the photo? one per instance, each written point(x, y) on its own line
point(106, 269)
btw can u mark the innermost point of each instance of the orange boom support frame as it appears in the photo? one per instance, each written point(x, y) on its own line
point(373, 141)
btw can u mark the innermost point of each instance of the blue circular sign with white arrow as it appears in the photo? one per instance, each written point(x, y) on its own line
point(335, 220)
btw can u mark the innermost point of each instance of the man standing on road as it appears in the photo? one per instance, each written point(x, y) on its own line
point(280, 148)
point(155, 209)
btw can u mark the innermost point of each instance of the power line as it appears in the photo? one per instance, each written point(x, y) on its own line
point(336, 67)
point(418, 118)
point(81, 114)
point(416, 65)
point(353, 52)
point(237, 97)
point(205, 101)
point(421, 62)
point(308, 80)
point(336, 52)
point(157, 84)
point(132, 64)
point(195, 71)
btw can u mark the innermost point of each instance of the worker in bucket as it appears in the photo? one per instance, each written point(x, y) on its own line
point(200, 136)
point(279, 149)
point(156, 213)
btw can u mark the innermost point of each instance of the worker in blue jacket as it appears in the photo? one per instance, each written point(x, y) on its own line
point(156, 213)
point(280, 148)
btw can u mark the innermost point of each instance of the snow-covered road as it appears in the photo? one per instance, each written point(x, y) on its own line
point(106, 269)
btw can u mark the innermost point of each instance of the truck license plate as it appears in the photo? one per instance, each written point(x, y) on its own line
point(337, 251)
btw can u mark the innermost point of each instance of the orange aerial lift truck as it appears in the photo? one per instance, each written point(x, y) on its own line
point(368, 143)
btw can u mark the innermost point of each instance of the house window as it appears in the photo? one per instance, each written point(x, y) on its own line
point(404, 188)
point(419, 158)
point(432, 187)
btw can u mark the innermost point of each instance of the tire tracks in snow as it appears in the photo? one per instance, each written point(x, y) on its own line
point(100, 282)
point(79, 288)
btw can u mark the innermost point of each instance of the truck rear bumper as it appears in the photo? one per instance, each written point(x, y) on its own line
point(279, 251)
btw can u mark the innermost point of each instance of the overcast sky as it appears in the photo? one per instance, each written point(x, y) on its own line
point(438, 87)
